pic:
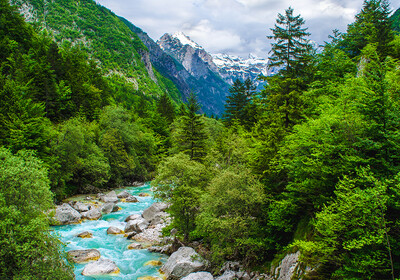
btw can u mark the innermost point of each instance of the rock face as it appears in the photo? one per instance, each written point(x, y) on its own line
point(203, 78)
point(199, 276)
point(110, 197)
point(288, 267)
point(65, 214)
point(83, 256)
point(93, 214)
point(100, 267)
point(182, 263)
point(211, 87)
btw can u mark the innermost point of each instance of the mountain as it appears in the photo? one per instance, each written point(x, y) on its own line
point(396, 20)
point(120, 53)
point(233, 67)
point(198, 62)
point(205, 79)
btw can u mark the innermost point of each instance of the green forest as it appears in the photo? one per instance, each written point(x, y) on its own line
point(311, 163)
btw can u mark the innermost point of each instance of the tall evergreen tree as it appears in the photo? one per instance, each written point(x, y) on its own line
point(372, 25)
point(194, 136)
point(291, 49)
point(166, 108)
point(237, 106)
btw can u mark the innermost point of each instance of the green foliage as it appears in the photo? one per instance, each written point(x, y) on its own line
point(238, 106)
point(231, 211)
point(28, 249)
point(181, 181)
point(372, 26)
point(190, 134)
point(351, 239)
point(80, 162)
point(291, 50)
point(128, 146)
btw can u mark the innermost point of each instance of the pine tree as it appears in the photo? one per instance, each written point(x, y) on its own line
point(194, 136)
point(372, 25)
point(238, 104)
point(166, 108)
point(291, 51)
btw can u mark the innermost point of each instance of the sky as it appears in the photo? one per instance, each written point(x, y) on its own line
point(235, 27)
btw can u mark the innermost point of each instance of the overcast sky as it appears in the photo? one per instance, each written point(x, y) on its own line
point(237, 27)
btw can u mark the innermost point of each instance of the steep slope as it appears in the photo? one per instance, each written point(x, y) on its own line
point(119, 51)
point(204, 79)
point(396, 20)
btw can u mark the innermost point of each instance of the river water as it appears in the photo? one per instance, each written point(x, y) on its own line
point(132, 263)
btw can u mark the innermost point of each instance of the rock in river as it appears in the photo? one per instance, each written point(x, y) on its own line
point(85, 234)
point(100, 267)
point(114, 230)
point(93, 214)
point(83, 256)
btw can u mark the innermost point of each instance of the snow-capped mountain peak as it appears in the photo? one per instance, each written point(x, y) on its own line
point(185, 40)
point(235, 63)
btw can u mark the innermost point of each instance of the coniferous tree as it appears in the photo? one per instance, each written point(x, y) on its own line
point(193, 136)
point(238, 104)
point(291, 51)
point(372, 25)
point(166, 108)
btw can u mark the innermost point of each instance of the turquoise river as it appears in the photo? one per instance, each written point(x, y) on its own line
point(114, 247)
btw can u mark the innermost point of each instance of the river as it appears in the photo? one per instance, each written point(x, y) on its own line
point(132, 263)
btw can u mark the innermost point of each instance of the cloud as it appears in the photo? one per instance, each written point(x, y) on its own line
point(237, 27)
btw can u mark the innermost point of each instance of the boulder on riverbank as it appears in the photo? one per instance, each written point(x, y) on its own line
point(182, 263)
point(123, 194)
point(132, 217)
point(80, 206)
point(132, 199)
point(100, 267)
point(110, 197)
point(199, 276)
point(65, 214)
point(92, 214)
point(109, 207)
point(154, 211)
point(137, 225)
point(83, 256)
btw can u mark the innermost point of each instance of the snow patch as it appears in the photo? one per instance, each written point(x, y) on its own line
point(185, 40)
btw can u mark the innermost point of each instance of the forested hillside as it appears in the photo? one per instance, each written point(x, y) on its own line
point(121, 55)
point(311, 163)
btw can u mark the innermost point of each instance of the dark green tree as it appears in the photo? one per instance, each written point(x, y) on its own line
point(291, 51)
point(238, 104)
point(166, 108)
point(193, 134)
point(372, 26)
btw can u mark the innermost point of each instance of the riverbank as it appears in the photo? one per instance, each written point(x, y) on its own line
point(132, 263)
